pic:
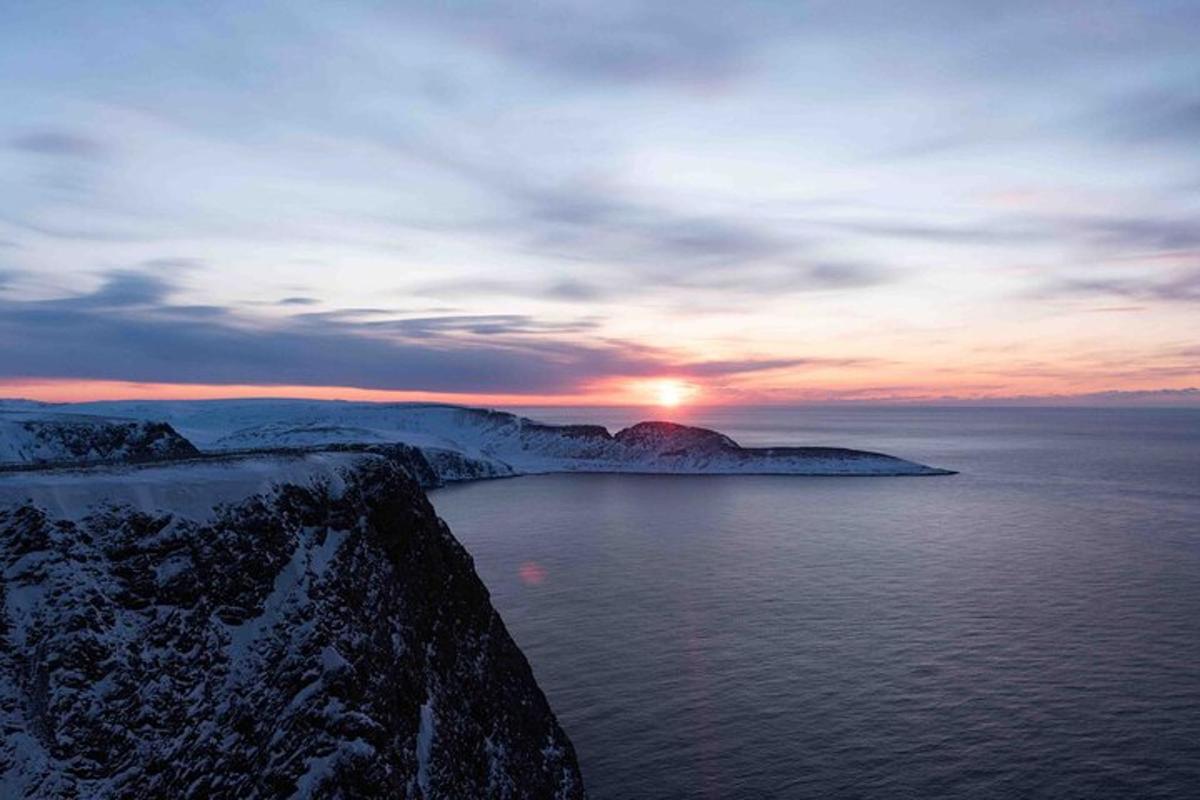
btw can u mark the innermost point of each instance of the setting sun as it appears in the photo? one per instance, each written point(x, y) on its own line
point(671, 393)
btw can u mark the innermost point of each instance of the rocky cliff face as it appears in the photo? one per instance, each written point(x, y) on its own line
point(45, 438)
point(273, 626)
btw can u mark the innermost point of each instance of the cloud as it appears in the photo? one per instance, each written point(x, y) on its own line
point(1115, 234)
point(571, 156)
point(125, 288)
point(568, 290)
point(7, 277)
point(1168, 398)
point(477, 324)
point(72, 232)
point(590, 221)
point(740, 280)
point(1153, 116)
point(1188, 396)
point(177, 263)
point(127, 330)
point(629, 245)
point(719, 369)
point(58, 143)
point(709, 43)
point(1161, 397)
point(1144, 233)
point(1182, 287)
point(1000, 232)
point(576, 220)
point(693, 44)
point(647, 246)
point(840, 275)
point(576, 291)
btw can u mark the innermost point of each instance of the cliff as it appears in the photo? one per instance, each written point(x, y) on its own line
point(38, 437)
point(470, 443)
point(267, 626)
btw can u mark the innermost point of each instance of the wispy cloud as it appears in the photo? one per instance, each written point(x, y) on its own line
point(123, 289)
point(7, 277)
point(1156, 115)
point(477, 325)
point(1183, 287)
point(722, 369)
point(1141, 232)
point(692, 44)
point(1003, 232)
point(58, 143)
point(128, 330)
point(446, 194)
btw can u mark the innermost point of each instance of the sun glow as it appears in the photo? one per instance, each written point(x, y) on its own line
point(671, 393)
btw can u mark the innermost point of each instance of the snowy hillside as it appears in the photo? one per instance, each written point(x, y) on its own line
point(255, 627)
point(467, 443)
point(41, 437)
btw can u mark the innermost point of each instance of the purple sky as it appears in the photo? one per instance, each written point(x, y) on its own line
point(762, 202)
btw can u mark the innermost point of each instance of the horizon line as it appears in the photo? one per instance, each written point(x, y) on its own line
point(77, 392)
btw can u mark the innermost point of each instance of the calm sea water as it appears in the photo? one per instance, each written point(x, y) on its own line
point(1028, 628)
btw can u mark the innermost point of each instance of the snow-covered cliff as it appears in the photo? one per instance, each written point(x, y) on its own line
point(467, 443)
point(256, 626)
point(42, 437)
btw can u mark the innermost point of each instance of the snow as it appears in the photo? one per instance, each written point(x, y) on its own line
point(332, 660)
point(468, 443)
point(71, 493)
point(278, 653)
point(31, 436)
point(316, 770)
point(319, 768)
point(29, 765)
point(22, 601)
point(321, 555)
point(425, 733)
point(242, 637)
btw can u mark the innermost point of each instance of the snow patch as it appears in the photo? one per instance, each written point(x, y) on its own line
point(158, 488)
point(425, 734)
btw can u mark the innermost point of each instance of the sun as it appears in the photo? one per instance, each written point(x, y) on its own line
point(671, 393)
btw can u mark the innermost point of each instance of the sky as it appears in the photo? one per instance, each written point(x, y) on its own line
point(601, 202)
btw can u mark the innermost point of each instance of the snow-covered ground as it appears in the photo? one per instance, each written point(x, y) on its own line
point(33, 436)
point(154, 488)
point(467, 443)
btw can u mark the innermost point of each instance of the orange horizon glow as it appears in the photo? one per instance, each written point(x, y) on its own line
point(75, 391)
point(665, 393)
point(617, 393)
point(639, 224)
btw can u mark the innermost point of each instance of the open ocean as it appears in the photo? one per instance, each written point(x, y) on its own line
point(1029, 628)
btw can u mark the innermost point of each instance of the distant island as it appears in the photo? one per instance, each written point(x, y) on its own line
point(459, 443)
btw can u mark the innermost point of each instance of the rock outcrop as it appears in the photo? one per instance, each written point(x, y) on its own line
point(39, 438)
point(254, 627)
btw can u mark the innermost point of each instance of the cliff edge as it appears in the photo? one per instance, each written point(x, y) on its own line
point(268, 626)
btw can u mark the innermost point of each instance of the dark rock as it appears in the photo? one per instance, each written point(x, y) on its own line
point(327, 637)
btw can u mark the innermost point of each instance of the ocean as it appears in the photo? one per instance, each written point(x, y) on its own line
point(1028, 628)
